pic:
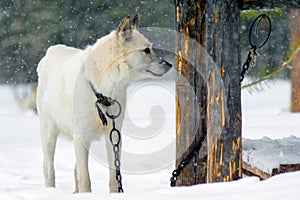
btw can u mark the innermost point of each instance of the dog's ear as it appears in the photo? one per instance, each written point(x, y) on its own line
point(124, 25)
point(135, 21)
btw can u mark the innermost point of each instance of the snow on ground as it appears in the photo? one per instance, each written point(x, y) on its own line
point(265, 114)
point(272, 132)
point(267, 154)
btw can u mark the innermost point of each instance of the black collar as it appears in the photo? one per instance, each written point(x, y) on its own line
point(104, 100)
point(101, 100)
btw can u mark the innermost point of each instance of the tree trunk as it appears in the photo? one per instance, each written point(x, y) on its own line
point(223, 45)
point(191, 90)
point(208, 90)
point(295, 75)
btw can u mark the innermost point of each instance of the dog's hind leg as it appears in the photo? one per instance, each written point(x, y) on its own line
point(49, 137)
point(82, 177)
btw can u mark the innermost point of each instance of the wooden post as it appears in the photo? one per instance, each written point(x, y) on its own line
point(208, 104)
point(223, 45)
point(216, 85)
point(191, 89)
point(295, 75)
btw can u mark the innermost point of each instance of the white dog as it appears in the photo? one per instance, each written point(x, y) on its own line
point(68, 81)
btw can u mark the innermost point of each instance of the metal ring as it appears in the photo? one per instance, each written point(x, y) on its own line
point(260, 17)
point(119, 111)
point(111, 136)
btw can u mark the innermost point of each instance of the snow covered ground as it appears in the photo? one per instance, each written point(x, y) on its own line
point(272, 133)
point(265, 114)
point(267, 154)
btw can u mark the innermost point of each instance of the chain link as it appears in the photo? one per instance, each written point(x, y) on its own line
point(114, 133)
point(192, 154)
point(253, 55)
point(116, 150)
point(115, 139)
point(251, 58)
point(250, 62)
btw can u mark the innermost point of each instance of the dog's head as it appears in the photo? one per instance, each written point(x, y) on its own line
point(123, 55)
point(139, 57)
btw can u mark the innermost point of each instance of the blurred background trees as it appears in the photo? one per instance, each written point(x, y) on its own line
point(28, 28)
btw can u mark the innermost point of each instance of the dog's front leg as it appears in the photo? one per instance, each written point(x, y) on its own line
point(82, 177)
point(113, 186)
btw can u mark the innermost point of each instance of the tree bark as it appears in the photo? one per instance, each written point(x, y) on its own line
point(224, 104)
point(295, 75)
point(213, 114)
point(191, 89)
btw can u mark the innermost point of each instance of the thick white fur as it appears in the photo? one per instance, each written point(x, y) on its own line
point(65, 101)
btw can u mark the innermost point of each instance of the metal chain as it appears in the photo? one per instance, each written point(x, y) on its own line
point(115, 139)
point(251, 58)
point(193, 154)
point(116, 150)
point(114, 133)
point(250, 62)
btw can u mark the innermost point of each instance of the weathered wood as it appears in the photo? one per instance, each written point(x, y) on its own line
point(223, 45)
point(270, 4)
point(283, 168)
point(190, 88)
point(216, 85)
point(295, 75)
point(253, 171)
point(289, 168)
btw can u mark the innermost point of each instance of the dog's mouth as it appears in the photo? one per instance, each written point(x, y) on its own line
point(165, 67)
point(153, 73)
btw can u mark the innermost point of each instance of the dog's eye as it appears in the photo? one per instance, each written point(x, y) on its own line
point(147, 50)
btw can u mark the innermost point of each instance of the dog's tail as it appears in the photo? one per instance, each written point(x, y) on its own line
point(25, 95)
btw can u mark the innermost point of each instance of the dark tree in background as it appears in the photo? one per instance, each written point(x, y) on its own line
point(295, 77)
point(28, 28)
